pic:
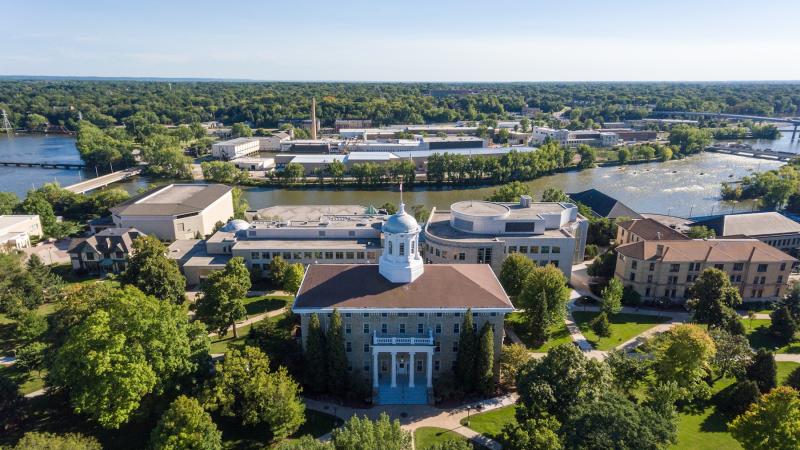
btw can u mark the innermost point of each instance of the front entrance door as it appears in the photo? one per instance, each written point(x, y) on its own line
point(402, 366)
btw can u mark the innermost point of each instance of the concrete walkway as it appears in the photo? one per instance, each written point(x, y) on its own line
point(412, 417)
point(252, 320)
point(788, 357)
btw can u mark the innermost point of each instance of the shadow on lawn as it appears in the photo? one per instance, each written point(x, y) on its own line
point(264, 305)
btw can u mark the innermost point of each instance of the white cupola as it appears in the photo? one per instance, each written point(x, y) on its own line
point(401, 261)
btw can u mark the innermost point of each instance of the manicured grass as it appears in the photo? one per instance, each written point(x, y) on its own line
point(27, 381)
point(558, 333)
point(491, 423)
point(426, 437)
point(705, 428)
point(236, 436)
point(265, 303)
point(220, 345)
point(624, 327)
point(760, 337)
point(784, 369)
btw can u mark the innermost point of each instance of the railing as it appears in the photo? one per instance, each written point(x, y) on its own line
point(405, 340)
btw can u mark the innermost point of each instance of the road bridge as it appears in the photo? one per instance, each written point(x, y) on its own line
point(103, 181)
point(794, 121)
point(754, 153)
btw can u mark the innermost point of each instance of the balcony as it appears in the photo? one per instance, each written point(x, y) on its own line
point(402, 340)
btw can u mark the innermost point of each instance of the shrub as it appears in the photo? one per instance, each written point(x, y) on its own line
point(601, 326)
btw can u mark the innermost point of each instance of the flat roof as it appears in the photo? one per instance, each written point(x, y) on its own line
point(8, 220)
point(237, 141)
point(439, 226)
point(307, 244)
point(362, 286)
point(308, 212)
point(479, 208)
point(173, 199)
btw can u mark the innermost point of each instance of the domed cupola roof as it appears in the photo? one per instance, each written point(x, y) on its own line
point(401, 222)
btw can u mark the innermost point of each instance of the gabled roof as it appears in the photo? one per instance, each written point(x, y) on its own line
point(439, 286)
point(107, 241)
point(603, 205)
point(751, 224)
point(712, 250)
point(652, 230)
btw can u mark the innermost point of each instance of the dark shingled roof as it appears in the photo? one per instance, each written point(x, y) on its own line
point(107, 241)
point(440, 286)
point(603, 205)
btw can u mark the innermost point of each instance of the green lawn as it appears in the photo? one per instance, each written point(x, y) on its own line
point(220, 345)
point(760, 337)
point(425, 437)
point(265, 303)
point(706, 428)
point(491, 423)
point(27, 382)
point(558, 333)
point(235, 436)
point(624, 327)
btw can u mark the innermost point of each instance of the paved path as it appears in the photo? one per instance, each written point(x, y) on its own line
point(789, 357)
point(254, 319)
point(412, 417)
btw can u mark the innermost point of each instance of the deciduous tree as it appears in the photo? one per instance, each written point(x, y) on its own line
point(49, 441)
point(186, 425)
point(362, 433)
point(513, 358)
point(612, 297)
point(533, 434)
point(514, 272)
point(544, 285)
point(293, 277)
point(244, 387)
point(771, 424)
point(221, 304)
point(152, 272)
point(763, 370)
point(683, 355)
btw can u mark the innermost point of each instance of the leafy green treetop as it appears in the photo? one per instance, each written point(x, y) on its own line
point(186, 425)
point(152, 272)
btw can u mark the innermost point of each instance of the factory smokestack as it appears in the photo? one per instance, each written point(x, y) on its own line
point(313, 118)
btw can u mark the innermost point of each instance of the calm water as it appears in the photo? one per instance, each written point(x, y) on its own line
point(37, 148)
point(676, 187)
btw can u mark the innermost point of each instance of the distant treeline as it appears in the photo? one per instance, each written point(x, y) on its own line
point(107, 102)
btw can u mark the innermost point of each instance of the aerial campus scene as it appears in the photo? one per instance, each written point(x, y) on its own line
point(400, 225)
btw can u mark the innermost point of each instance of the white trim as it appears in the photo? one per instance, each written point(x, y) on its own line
point(400, 310)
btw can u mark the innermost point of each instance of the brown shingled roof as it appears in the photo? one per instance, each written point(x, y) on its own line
point(439, 286)
point(712, 250)
point(651, 230)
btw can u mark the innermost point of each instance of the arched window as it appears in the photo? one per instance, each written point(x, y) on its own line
point(402, 249)
point(390, 247)
point(413, 246)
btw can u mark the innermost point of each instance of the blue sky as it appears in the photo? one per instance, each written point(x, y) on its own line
point(411, 40)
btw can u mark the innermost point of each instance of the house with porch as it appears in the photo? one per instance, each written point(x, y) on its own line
point(401, 317)
point(105, 252)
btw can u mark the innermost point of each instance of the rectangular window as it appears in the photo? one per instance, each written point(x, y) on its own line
point(556, 249)
point(652, 267)
point(456, 328)
point(437, 346)
point(366, 328)
point(762, 268)
point(318, 255)
point(512, 249)
point(420, 328)
point(436, 365)
point(254, 255)
point(339, 255)
point(351, 233)
point(350, 255)
point(384, 328)
point(347, 329)
point(307, 255)
point(634, 264)
point(438, 328)
point(455, 347)
point(359, 255)
point(348, 346)
point(647, 292)
point(633, 276)
point(649, 278)
point(462, 256)
point(534, 249)
point(321, 233)
point(402, 328)
point(328, 255)
point(545, 249)
point(297, 256)
point(523, 249)
point(402, 249)
point(674, 267)
point(719, 266)
point(287, 255)
point(738, 267)
point(366, 348)
point(783, 267)
point(419, 365)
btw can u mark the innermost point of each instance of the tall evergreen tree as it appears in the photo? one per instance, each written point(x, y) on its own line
point(763, 371)
point(484, 366)
point(316, 360)
point(537, 321)
point(783, 324)
point(467, 348)
point(337, 359)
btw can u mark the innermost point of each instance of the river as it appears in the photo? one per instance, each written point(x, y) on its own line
point(677, 187)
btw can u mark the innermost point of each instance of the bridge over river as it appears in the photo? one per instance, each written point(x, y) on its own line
point(793, 121)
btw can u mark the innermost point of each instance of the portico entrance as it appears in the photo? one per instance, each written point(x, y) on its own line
point(409, 377)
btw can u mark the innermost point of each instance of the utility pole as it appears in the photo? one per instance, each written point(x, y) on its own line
point(6, 123)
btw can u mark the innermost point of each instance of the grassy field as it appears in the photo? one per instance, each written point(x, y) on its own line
point(425, 437)
point(265, 303)
point(558, 333)
point(760, 337)
point(491, 423)
point(623, 327)
point(220, 345)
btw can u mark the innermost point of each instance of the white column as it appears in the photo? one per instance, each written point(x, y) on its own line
point(374, 368)
point(394, 369)
point(411, 369)
point(429, 368)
